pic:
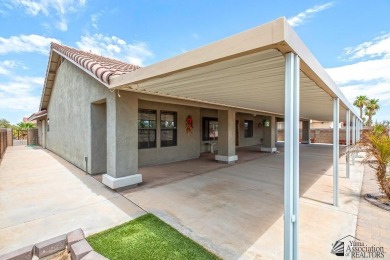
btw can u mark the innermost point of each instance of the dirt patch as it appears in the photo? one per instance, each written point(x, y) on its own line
point(62, 255)
point(380, 201)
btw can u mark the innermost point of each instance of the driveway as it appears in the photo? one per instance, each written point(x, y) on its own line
point(237, 212)
point(43, 196)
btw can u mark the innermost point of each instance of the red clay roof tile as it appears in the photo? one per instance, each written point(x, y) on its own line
point(103, 68)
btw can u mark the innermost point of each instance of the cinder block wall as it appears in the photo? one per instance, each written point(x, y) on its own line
point(9, 137)
point(318, 135)
point(3, 141)
point(32, 136)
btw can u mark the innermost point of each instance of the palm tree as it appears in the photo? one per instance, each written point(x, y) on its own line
point(360, 102)
point(25, 125)
point(371, 107)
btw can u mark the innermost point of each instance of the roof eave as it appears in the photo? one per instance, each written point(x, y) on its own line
point(54, 52)
point(35, 117)
point(41, 107)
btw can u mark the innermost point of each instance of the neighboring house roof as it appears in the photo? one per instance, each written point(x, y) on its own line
point(99, 67)
point(37, 115)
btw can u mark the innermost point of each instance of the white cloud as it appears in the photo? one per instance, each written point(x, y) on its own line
point(95, 19)
point(372, 70)
point(369, 75)
point(378, 90)
point(303, 16)
point(29, 80)
point(58, 9)
point(30, 104)
point(9, 63)
point(5, 66)
point(62, 25)
point(377, 47)
point(26, 43)
point(4, 70)
point(19, 93)
point(114, 47)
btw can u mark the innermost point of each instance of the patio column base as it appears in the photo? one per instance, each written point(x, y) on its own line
point(268, 149)
point(115, 183)
point(226, 159)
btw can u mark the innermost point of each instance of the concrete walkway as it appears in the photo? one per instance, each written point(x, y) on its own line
point(43, 196)
point(373, 225)
point(237, 212)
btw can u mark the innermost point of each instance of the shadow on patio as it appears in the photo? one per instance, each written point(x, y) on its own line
point(237, 210)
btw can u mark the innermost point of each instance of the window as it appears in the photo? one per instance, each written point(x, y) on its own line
point(146, 128)
point(168, 121)
point(210, 129)
point(248, 128)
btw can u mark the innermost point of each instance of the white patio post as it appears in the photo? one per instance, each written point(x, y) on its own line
point(353, 136)
point(347, 139)
point(336, 122)
point(291, 157)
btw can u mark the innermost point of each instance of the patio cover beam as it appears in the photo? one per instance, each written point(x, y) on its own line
point(291, 157)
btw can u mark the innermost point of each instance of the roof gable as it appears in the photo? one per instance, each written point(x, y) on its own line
point(102, 67)
point(99, 67)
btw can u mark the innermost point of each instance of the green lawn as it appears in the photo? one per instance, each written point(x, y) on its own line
point(147, 237)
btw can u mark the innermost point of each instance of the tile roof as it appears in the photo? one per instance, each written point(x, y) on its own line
point(103, 68)
point(37, 115)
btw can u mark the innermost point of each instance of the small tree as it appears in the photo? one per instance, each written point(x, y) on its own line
point(376, 144)
point(4, 123)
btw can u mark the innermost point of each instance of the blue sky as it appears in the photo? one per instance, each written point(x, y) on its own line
point(351, 39)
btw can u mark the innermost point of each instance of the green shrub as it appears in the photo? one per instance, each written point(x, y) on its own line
point(376, 144)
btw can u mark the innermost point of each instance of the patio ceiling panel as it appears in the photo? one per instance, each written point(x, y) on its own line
point(238, 82)
point(245, 71)
point(254, 81)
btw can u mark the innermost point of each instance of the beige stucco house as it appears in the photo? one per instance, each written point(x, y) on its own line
point(115, 132)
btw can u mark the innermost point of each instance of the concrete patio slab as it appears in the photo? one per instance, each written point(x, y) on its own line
point(43, 196)
point(237, 212)
point(156, 175)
